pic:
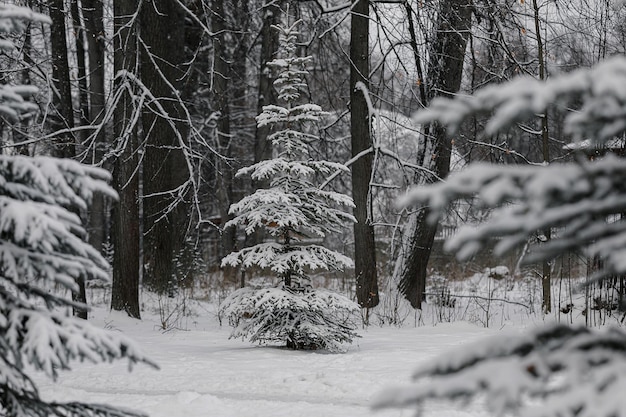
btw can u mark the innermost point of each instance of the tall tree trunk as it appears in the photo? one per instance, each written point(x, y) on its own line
point(94, 27)
point(165, 169)
point(221, 84)
point(126, 238)
point(243, 123)
point(21, 133)
point(230, 49)
point(266, 93)
point(445, 70)
point(63, 114)
point(546, 279)
point(79, 38)
point(241, 111)
point(364, 244)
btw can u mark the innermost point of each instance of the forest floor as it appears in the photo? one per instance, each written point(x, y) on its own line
point(204, 373)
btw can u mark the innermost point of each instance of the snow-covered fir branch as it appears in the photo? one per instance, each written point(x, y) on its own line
point(585, 200)
point(598, 94)
point(577, 198)
point(311, 319)
point(42, 246)
point(558, 370)
point(553, 371)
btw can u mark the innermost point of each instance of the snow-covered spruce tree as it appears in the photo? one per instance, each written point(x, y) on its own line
point(292, 210)
point(556, 371)
point(42, 254)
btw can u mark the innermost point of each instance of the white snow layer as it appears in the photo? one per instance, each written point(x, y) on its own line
point(203, 373)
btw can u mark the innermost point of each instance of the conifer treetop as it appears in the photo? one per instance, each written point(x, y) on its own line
point(291, 68)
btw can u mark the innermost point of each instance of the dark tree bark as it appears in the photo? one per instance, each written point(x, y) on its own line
point(79, 37)
point(21, 133)
point(94, 28)
point(126, 238)
point(415, 252)
point(230, 22)
point(445, 70)
point(546, 267)
point(267, 93)
point(364, 244)
point(63, 115)
point(242, 110)
point(221, 84)
point(165, 169)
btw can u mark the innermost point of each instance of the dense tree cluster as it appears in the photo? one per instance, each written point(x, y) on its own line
point(171, 97)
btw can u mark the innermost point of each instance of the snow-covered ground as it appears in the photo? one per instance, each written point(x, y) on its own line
point(203, 373)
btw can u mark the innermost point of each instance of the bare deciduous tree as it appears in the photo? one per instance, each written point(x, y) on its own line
point(360, 125)
point(126, 227)
point(444, 74)
point(165, 130)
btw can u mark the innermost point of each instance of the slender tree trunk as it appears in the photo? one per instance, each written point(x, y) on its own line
point(94, 27)
point(241, 111)
point(445, 70)
point(83, 116)
point(79, 37)
point(364, 244)
point(546, 279)
point(27, 49)
point(126, 238)
point(165, 169)
point(63, 114)
point(243, 123)
point(221, 83)
point(267, 93)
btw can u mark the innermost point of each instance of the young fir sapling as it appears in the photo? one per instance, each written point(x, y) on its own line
point(291, 210)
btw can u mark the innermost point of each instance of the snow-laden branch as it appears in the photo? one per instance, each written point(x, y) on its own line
point(293, 210)
point(347, 164)
point(312, 319)
point(130, 84)
point(333, 9)
point(577, 198)
point(42, 245)
point(369, 150)
point(193, 16)
point(553, 371)
point(601, 89)
point(273, 257)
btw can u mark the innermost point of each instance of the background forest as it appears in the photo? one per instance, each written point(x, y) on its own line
point(165, 94)
point(262, 153)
